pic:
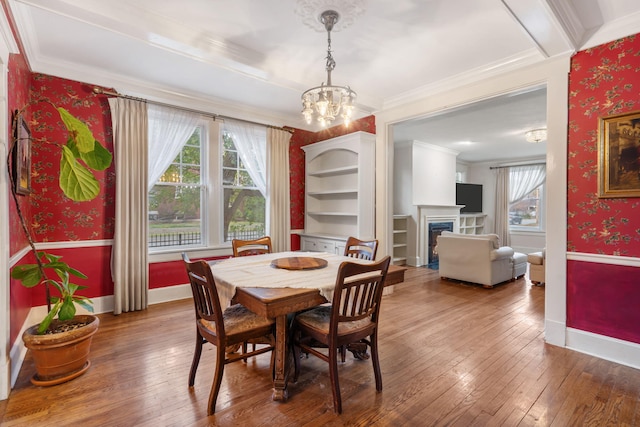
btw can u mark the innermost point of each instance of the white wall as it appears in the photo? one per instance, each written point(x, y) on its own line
point(403, 178)
point(434, 175)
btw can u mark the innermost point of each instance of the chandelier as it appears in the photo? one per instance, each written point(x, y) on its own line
point(536, 135)
point(326, 100)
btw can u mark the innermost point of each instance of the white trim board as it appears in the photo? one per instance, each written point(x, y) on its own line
point(612, 349)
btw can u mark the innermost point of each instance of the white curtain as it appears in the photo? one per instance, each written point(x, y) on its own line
point(129, 259)
point(501, 224)
point(524, 179)
point(278, 200)
point(169, 130)
point(251, 142)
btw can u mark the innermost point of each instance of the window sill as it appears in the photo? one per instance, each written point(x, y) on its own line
point(175, 254)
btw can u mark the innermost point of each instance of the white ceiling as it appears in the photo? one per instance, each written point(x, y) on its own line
point(253, 59)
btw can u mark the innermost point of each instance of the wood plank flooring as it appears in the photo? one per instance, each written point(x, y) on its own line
point(452, 354)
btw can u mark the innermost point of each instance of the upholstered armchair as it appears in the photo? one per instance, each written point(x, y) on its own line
point(536, 267)
point(475, 258)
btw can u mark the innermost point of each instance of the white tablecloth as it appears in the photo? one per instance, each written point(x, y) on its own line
point(256, 272)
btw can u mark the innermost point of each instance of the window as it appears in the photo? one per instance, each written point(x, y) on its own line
point(175, 201)
point(206, 196)
point(527, 213)
point(244, 204)
point(526, 195)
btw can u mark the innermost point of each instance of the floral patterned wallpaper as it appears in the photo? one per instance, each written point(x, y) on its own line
point(604, 80)
point(55, 217)
point(18, 80)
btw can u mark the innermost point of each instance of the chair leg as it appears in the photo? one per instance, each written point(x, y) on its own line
point(335, 384)
point(376, 360)
point(296, 357)
point(196, 358)
point(217, 380)
point(343, 352)
point(244, 350)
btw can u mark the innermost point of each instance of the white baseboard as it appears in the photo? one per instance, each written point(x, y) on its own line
point(615, 350)
point(100, 305)
point(554, 332)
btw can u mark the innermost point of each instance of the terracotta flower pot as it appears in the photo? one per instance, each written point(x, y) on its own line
point(62, 356)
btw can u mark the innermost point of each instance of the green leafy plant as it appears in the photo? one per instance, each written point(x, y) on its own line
point(79, 156)
point(31, 275)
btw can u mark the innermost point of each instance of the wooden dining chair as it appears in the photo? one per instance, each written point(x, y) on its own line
point(251, 247)
point(222, 328)
point(352, 317)
point(363, 249)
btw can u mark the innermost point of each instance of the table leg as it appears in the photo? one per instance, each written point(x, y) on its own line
point(281, 372)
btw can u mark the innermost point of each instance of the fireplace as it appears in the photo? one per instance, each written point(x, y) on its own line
point(435, 229)
point(431, 216)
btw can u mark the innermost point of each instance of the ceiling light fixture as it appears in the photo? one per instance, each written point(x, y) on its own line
point(327, 100)
point(536, 135)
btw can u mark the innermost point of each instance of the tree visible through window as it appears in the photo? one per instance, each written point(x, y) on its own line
point(175, 200)
point(244, 204)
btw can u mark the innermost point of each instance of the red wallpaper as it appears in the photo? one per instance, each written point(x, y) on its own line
point(18, 81)
point(601, 298)
point(604, 80)
point(55, 217)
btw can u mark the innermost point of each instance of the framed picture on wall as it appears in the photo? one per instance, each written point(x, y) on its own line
point(22, 157)
point(619, 155)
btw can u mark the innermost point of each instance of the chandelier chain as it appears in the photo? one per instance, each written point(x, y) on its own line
point(326, 101)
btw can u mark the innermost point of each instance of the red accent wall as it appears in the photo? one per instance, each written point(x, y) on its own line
point(18, 80)
point(55, 217)
point(604, 299)
point(601, 298)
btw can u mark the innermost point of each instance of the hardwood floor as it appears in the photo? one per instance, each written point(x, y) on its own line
point(451, 354)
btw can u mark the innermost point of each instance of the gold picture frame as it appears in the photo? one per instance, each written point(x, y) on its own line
point(619, 155)
point(22, 157)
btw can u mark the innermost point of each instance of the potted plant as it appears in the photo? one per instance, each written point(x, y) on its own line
point(60, 342)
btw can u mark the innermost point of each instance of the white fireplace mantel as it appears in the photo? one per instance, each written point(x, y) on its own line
point(434, 213)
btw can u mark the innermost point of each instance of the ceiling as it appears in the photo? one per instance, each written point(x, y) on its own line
point(253, 59)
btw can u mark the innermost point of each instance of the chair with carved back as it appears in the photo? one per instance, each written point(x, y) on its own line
point(251, 247)
point(222, 328)
point(352, 317)
point(363, 249)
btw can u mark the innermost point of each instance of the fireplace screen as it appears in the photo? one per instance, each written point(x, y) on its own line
point(436, 229)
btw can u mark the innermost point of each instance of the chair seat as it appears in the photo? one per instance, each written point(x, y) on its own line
point(535, 258)
point(238, 319)
point(320, 317)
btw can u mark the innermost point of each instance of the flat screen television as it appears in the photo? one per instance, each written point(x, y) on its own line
point(469, 195)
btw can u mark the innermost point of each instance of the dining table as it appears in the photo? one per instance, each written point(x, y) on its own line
point(278, 284)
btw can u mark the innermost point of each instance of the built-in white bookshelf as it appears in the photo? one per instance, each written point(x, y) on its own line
point(472, 223)
point(339, 191)
point(400, 230)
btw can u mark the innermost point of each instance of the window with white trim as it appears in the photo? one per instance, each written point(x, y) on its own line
point(526, 193)
point(205, 197)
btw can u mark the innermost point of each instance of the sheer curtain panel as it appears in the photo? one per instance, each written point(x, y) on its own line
point(524, 179)
point(278, 199)
point(130, 264)
point(502, 206)
point(169, 130)
point(250, 141)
